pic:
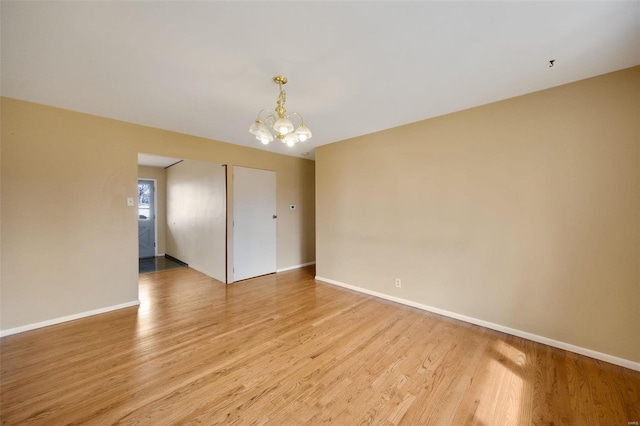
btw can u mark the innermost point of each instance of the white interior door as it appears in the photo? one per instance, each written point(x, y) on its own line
point(254, 219)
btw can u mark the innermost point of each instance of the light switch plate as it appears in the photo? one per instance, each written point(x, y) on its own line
point(130, 201)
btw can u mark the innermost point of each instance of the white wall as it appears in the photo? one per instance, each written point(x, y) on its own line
point(196, 216)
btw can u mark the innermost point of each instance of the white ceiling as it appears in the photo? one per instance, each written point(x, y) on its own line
point(206, 68)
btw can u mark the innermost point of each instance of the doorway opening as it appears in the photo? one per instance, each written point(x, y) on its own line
point(190, 209)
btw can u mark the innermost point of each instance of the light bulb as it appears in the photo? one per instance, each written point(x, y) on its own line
point(264, 136)
point(283, 126)
point(290, 139)
point(303, 133)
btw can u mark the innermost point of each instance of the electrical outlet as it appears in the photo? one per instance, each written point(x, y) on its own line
point(398, 283)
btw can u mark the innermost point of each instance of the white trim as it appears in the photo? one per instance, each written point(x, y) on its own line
point(288, 268)
point(534, 337)
point(67, 318)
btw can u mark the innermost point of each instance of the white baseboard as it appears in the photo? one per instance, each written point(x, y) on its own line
point(534, 337)
point(288, 268)
point(67, 318)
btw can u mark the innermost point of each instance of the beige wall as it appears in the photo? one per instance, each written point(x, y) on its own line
point(160, 175)
point(524, 213)
point(69, 240)
point(196, 216)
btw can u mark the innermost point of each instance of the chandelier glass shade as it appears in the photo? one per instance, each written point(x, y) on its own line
point(278, 124)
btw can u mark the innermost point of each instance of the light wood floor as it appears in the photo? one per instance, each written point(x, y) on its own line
point(283, 349)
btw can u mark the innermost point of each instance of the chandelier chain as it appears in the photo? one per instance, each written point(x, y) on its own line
point(282, 99)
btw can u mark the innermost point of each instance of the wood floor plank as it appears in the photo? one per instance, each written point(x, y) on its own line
point(284, 349)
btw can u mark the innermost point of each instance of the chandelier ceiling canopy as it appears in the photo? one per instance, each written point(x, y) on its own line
point(267, 124)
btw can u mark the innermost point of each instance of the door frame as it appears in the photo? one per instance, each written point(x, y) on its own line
point(226, 223)
point(155, 212)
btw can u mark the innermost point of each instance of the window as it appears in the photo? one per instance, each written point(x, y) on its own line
point(144, 201)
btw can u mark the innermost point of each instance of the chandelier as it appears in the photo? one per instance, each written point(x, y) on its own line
point(278, 124)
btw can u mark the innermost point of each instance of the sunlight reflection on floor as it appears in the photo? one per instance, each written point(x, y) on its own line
point(503, 375)
point(145, 306)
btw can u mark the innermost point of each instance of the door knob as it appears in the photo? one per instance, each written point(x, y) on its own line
point(275, 216)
